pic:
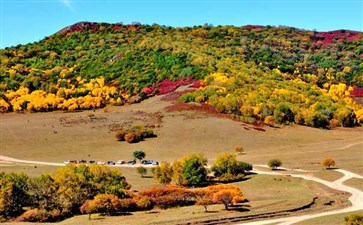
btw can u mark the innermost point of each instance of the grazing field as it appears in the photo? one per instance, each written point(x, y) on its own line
point(58, 136)
point(329, 220)
point(265, 194)
point(355, 183)
point(90, 135)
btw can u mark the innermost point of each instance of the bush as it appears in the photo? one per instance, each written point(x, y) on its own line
point(144, 203)
point(134, 134)
point(132, 137)
point(120, 135)
point(169, 196)
point(274, 163)
point(141, 170)
point(353, 219)
point(128, 205)
point(39, 215)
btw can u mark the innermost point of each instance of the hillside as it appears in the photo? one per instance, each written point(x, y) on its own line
point(306, 76)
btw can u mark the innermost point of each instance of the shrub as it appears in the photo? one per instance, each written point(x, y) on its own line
point(134, 134)
point(39, 215)
point(132, 137)
point(120, 135)
point(169, 196)
point(274, 163)
point(239, 150)
point(128, 205)
point(353, 219)
point(144, 203)
point(226, 167)
point(141, 170)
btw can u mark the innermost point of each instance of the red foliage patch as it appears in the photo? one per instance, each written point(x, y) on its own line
point(168, 86)
point(335, 36)
point(358, 92)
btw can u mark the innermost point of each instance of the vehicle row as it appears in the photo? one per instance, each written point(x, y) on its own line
point(119, 162)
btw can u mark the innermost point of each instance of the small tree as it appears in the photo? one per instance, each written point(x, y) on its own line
point(274, 163)
point(139, 155)
point(239, 150)
point(328, 163)
point(163, 173)
point(141, 170)
point(194, 171)
point(102, 203)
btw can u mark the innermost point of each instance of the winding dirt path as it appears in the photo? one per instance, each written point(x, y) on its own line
point(356, 197)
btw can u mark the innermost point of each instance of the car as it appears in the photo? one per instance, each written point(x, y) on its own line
point(101, 163)
point(131, 162)
point(82, 161)
point(70, 161)
point(92, 162)
point(121, 162)
point(146, 162)
point(110, 163)
point(149, 162)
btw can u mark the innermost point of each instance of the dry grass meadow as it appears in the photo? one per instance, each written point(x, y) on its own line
point(59, 136)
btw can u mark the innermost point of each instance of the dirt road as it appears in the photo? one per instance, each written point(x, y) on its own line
point(356, 197)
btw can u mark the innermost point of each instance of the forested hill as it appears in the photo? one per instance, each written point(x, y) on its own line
point(88, 65)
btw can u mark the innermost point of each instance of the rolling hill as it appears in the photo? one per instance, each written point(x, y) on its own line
point(277, 75)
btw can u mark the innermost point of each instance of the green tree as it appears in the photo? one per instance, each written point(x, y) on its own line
point(141, 170)
point(163, 173)
point(194, 171)
point(274, 163)
point(283, 114)
point(139, 155)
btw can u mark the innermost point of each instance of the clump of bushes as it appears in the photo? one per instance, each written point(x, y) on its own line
point(134, 134)
point(39, 215)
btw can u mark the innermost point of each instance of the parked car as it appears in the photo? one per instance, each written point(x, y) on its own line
point(82, 161)
point(110, 163)
point(101, 163)
point(132, 162)
point(146, 162)
point(70, 161)
point(149, 162)
point(121, 162)
point(92, 162)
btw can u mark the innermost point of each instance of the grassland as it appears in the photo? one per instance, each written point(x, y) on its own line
point(281, 193)
point(58, 136)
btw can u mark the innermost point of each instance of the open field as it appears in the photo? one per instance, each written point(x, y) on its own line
point(329, 220)
point(355, 183)
point(283, 193)
point(57, 136)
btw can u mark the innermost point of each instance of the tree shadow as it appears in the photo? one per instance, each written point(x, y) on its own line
point(152, 212)
point(279, 169)
point(117, 214)
point(239, 208)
